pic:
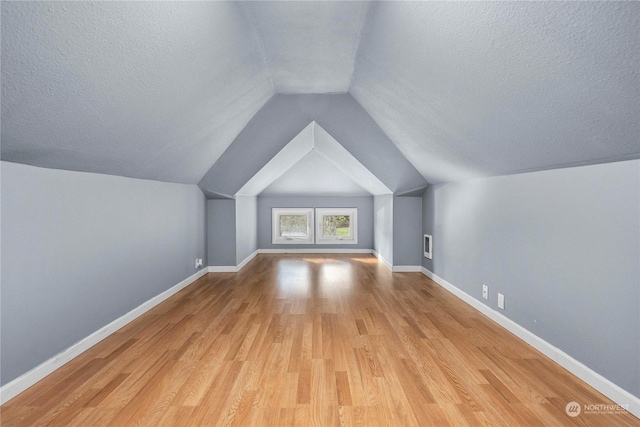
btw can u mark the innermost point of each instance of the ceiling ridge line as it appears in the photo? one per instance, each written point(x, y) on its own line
point(214, 113)
point(332, 160)
point(263, 51)
point(365, 18)
point(401, 82)
point(236, 99)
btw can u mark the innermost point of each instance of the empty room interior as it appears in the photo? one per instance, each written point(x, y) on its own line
point(320, 213)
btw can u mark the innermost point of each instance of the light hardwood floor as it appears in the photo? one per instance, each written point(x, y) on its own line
point(310, 340)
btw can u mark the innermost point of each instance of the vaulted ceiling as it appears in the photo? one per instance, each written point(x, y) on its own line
point(447, 90)
point(314, 163)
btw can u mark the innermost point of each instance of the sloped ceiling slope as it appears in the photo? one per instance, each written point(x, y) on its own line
point(468, 89)
point(284, 117)
point(309, 46)
point(153, 90)
point(159, 90)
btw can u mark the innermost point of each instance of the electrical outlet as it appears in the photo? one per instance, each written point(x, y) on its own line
point(485, 292)
point(198, 262)
point(500, 301)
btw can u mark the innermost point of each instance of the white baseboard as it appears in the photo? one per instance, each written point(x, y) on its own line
point(614, 392)
point(406, 269)
point(384, 261)
point(247, 259)
point(26, 380)
point(222, 269)
point(315, 251)
point(231, 268)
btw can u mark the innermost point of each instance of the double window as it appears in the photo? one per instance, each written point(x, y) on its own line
point(322, 226)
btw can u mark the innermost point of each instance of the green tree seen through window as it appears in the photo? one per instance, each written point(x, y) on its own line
point(336, 225)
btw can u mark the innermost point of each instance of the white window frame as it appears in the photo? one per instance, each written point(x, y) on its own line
point(428, 249)
point(353, 225)
point(276, 239)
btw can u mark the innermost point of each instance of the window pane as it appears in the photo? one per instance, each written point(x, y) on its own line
point(293, 226)
point(336, 226)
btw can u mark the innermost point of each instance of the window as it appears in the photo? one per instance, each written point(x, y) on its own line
point(332, 226)
point(337, 226)
point(292, 225)
point(428, 246)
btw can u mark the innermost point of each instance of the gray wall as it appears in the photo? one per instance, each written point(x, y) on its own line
point(563, 246)
point(365, 218)
point(383, 226)
point(80, 250)
point(246, 227)
point(407, 231)
point(284, 116)
point(221, 232)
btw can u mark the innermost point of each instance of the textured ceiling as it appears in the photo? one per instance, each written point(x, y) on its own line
point(309, 46)
point(469, 89)
point(149, 90)
point(160, 90)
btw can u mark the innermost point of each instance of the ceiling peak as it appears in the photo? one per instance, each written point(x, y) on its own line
point(313, 138)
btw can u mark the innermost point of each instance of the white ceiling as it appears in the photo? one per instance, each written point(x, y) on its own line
point(314, 175)
point(160, 90)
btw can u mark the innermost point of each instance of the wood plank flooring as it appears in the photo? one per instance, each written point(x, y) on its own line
point(306, 340)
